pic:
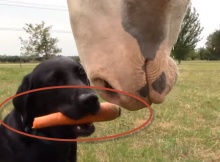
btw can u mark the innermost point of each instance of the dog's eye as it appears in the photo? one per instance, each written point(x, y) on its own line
point(81, 70)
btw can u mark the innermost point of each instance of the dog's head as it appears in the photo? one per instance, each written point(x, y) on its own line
point(74, 103)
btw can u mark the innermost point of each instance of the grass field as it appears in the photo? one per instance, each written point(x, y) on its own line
point(186, 127)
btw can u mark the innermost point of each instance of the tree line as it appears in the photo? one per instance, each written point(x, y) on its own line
point(26, 59)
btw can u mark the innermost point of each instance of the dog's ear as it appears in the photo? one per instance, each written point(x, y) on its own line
point(20, 103)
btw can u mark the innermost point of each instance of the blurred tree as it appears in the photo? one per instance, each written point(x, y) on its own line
point(193, 55)
point(213, 45)
point(203, 53)
point(189, 35)
point(39, 43)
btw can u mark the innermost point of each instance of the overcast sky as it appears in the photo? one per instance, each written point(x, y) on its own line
point(14, 17)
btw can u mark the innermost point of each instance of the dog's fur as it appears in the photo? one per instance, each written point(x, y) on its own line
point(75, 103)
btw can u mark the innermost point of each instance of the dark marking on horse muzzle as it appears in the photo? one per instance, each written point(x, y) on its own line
point(143, 91)
point(159, 85)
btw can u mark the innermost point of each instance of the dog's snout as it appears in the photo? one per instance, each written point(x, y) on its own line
point(88, 99)
point(89, 103)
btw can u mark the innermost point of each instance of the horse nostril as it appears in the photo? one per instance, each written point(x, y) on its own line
point(88, 99)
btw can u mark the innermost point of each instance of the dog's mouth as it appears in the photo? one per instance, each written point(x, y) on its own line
point(68, 132)
point(65, 131)
point(84, 130)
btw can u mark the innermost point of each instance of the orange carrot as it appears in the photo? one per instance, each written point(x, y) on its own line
point(107, 112)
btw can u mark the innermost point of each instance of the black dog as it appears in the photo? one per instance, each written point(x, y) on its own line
point(74, 103)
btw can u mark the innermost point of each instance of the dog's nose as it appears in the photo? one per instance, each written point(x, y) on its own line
point(88, 99)
point(89, 103)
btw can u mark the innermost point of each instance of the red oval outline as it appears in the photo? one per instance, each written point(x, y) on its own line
point(83, 139)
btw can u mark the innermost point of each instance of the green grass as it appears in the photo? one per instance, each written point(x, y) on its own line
point(186, 127)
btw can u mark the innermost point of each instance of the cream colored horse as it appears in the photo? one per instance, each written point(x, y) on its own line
point(126, 44)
